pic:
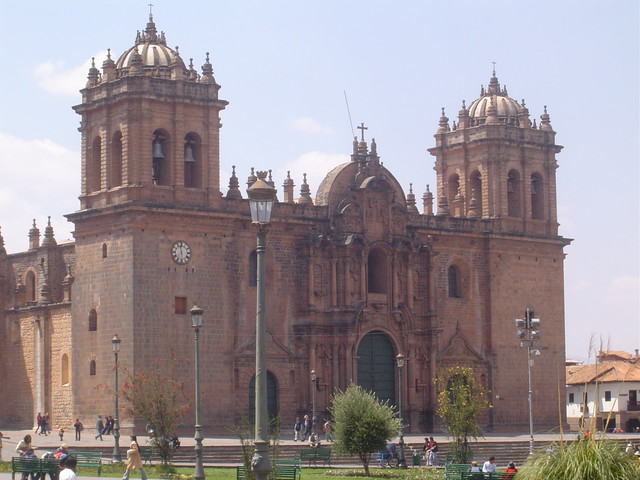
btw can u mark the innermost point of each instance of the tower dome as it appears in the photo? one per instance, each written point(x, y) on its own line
point(494, 104)
point(150, 52)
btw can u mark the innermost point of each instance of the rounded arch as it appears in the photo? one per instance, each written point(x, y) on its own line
point(193, 160)
point(161, 158)
point(377, 271)
point(514, 194)
point(116, 160)
point(376, 357)
point(94, 166)
point(92, 367)
point(537, 196)
point(457, 278)
point(64, 369)
point(475, 182)
point(453, 185)
point(272, 397)
point(30, 286)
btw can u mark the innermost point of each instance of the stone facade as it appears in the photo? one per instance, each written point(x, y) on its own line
point(357, 268)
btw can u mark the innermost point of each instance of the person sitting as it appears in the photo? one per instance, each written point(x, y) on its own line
point(490, 465)
point(510, 471)
point(175, 442)
point(474, 467)
point(62, 452)
point(314, 440)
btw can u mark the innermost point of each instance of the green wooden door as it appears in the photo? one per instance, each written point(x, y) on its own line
point(272, 398)
point(376, 366)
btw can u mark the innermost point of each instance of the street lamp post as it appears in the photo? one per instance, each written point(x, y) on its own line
point(402, 463)
point(261, 198)
point(313, 401)
point(115, 346)
point(528, 333)
point(196, 323)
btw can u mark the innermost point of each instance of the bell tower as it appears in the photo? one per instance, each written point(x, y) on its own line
point(495, 163)
point(150, 128)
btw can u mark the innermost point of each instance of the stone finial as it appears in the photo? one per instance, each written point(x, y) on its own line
point(474, 207)
point(463, 116)
point(492, 113)
point(251, 179)
point(234, 185)
point(93, 78)
point(305, 192)
point(523, 115)
point(411, 201)
point(3, 251)
point(193, 75)
point(270, 181)
point(443, 206)
point(34, 236)
point(207, 71)
point(545, 123)
point(109, 67)
point(374, 147)
point(49, 239)
point(443, 124)
point(288, 187)
point(427, 202)
point(458, 204)
point(136, 63)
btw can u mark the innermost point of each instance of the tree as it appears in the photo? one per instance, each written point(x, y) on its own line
point(461, 399)
point(157, 397)
point(362, 424)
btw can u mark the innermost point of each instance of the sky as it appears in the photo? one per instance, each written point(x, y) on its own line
point(289, 69)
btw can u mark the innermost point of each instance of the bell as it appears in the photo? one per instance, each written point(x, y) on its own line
point(157, 149)
point(188, 154)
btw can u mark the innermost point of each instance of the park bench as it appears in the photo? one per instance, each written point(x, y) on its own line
point(481, 476)
point(312, 455)
point(288, 462)
point(384, 458)
point(89, 459)
point(145, 454)
point(36, 466)
point(453, 470)
point(284, 472)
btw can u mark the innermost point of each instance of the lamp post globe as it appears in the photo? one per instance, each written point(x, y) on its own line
point(115, 346)
point(196, 322)
point(261, 199)
point(402, 463)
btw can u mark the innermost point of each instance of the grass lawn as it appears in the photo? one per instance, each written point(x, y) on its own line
point(116, 471)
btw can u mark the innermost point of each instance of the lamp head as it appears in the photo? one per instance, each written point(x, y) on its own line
point(115, 343)
point(313, 375)
point(261, 198)
point(196, 316)
point(400, 360)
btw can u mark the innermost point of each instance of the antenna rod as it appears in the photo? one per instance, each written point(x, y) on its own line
point(353, 133)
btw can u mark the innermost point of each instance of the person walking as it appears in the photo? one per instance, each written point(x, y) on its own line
point(1, 437)
point(38, 424)
point(78, 428)
point(99, 427)
point(297, 430)
point(134, 461)
point(308, 426)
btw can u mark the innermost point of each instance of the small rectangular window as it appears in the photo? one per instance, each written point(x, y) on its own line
point(181, 305)
point(571, 398)
point(607, 396)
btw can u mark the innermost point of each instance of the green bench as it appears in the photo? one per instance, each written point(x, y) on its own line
point(482, 476)
point(89, 459)
point(453, 470)
point(282, 472)
point(145, 454)
point(36, 466)
point(288, 462)
point(312, 455)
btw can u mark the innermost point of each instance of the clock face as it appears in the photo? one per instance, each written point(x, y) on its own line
point(181, 252)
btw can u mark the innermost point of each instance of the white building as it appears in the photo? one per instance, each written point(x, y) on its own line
point(606, 392)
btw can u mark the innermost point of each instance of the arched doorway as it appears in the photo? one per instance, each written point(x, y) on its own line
point(272, 398)
point(376, 365)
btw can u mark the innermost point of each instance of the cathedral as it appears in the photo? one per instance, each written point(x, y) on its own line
point(356, 275)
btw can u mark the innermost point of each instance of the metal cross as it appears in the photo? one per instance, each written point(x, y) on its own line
point(150, 9)
point(494, 68)
point(363, 128)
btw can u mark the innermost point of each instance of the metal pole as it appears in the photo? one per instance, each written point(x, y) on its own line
point(401, 460)
point(117, 458)
point(313, 402)
point(260, 464)
point(198, 473)
point(530, 398)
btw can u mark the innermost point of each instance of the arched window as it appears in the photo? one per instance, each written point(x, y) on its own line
point(92, 367)
point(30, 286)
point(64, 369)
point(377, 271)
point(272, 397)
point(94, 166)
point(93, 320)
point(253, 269)
point(376, 365)
point(192, 161)
point(453, 274)
point(116, 160)
point(104, 250)
point(537, 197)
point(514, 194)
point(453, 185)
point(476, 189)
point(160, 148)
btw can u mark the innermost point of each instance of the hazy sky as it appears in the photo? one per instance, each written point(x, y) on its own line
point(284, 67)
